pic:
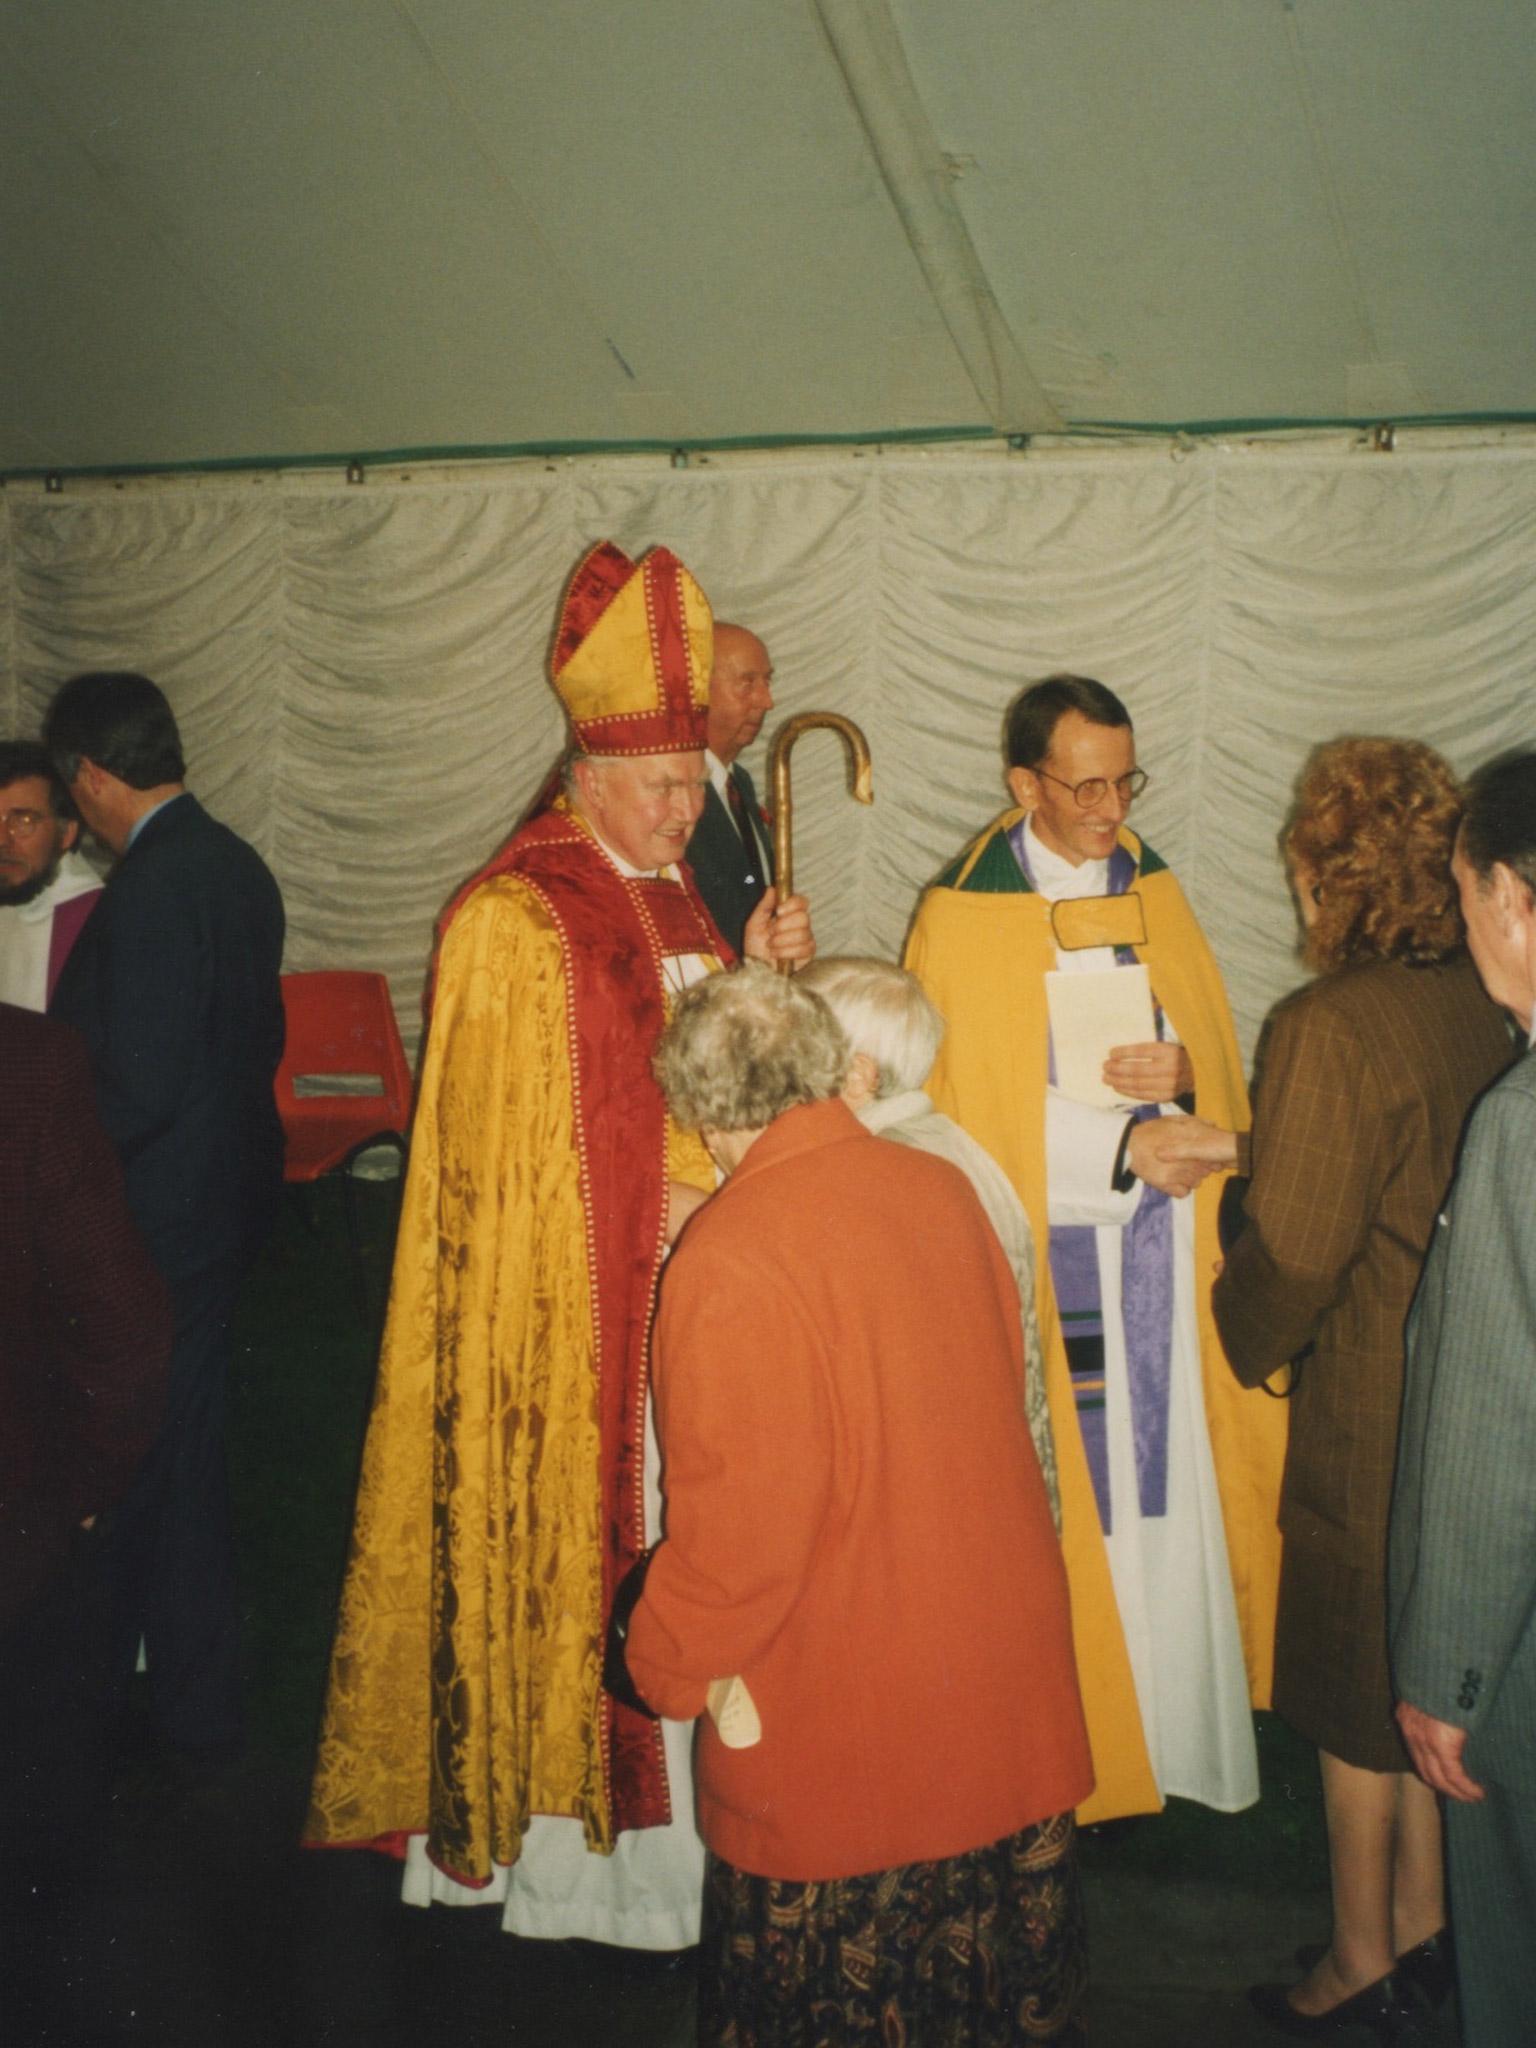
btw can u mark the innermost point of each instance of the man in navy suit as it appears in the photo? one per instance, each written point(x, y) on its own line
point(1462, 1567)
point(175, 988)
point(731, 851)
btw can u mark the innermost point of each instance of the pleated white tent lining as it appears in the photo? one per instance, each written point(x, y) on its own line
point(360, 671)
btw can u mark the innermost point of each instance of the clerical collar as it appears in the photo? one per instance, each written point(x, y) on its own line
point(1057, 879)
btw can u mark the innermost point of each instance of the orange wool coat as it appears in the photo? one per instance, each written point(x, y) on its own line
point(856, 1522)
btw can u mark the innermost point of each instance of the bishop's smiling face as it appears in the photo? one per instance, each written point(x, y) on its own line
point(643, 809)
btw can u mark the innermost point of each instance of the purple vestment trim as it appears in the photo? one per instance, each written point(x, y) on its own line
point(1146, 1294)
point(67, 925)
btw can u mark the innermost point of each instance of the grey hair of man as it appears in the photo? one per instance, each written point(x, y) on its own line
point(1498, 825)
point(573, 759)
point(884, 1012)
point(744, 1047)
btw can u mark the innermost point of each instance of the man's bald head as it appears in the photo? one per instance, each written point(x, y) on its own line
point(740, 691)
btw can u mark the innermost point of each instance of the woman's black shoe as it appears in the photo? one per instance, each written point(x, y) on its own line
point(1382, 2006)
point(1429, 1967)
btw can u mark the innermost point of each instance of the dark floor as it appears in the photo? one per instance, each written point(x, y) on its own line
point(200, 1925)
point(194, 1920)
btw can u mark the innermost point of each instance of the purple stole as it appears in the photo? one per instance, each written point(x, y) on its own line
point(67, 924)
point(1146, 1296)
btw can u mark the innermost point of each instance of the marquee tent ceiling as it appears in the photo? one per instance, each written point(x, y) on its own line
point(288, 229)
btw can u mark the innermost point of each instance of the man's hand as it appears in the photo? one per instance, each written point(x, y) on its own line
point(1153, 1156)
point(1191, 1137)
point(780, 931)
point(1436, 1748)
point(1150, 1073)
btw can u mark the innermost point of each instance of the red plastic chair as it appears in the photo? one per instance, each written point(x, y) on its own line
point(343, 1086)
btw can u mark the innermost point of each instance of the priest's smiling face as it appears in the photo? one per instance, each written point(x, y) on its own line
point(1080, 752)
point(643, 809)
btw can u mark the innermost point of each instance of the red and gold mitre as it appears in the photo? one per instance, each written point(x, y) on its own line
point(633, 653)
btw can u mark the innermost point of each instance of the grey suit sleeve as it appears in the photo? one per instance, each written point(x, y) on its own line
point(1464, 1522)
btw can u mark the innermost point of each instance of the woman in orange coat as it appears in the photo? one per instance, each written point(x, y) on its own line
point(858, 1533)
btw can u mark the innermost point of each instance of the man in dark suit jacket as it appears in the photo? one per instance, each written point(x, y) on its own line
point(1462, 1569)
point(731, 851)
point(175, 988)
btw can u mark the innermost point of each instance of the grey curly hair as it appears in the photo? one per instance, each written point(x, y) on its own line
point(745, 1046)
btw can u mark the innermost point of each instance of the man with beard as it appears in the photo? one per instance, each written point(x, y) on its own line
point(47, 890)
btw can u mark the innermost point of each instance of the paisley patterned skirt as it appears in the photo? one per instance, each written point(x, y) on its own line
point(984, 1950)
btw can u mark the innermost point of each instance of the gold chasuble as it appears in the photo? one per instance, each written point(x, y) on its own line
point(500, 1497)
point(982, 942)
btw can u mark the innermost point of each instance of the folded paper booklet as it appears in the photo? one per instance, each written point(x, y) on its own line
point(1092, 1013)
point(734, 1713)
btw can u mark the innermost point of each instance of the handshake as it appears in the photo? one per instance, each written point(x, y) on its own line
point(1176, 1153)
point(1171, 1153)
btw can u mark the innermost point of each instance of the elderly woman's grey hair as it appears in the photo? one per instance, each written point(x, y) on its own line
point(744, 1047)
point(884, 1012)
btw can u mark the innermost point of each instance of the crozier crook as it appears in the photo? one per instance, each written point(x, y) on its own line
point(862, 787)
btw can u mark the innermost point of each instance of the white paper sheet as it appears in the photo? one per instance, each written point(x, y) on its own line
point(1090, 1015)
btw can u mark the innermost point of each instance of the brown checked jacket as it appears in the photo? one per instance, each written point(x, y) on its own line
point(1366, 1078)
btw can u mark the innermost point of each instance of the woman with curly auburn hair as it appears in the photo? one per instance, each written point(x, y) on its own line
point(1366, 1076)
point(1370, 840)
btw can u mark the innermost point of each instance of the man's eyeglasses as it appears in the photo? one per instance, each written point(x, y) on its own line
point(1088, 793)
point(21, 824)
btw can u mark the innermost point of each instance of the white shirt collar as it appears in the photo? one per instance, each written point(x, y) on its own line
point(1057, 879)
point(76, 877)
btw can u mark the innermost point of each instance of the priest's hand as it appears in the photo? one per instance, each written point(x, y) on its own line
point(1152, 1154)
point(1191, 1137)
point(1436, 1748)
point(780, 931)
point(1153, 1072)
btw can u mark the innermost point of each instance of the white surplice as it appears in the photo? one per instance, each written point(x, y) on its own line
point(1173, 1583)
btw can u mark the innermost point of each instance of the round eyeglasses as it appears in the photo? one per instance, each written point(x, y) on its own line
point(21, 824)
point(1091, 792)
